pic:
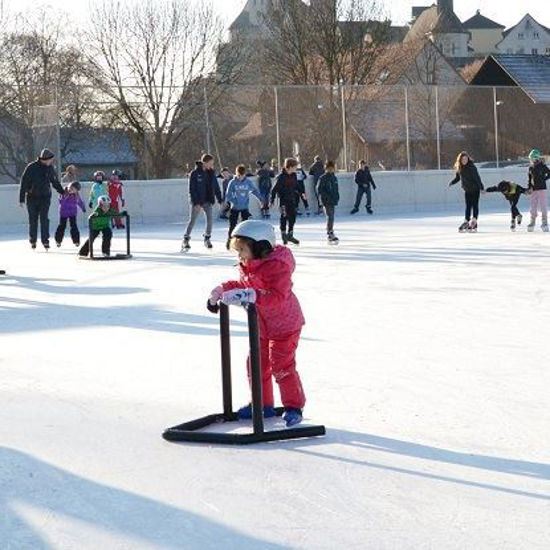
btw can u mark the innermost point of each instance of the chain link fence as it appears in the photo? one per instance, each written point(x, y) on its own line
point(391, 127)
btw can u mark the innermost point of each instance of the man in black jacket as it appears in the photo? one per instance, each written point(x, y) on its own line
point(287, 190)
point(364, 181)
point(35, 190)
point(204, 191)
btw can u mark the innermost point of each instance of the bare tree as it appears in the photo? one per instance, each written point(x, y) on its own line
point(156, 64)
point(38, 67)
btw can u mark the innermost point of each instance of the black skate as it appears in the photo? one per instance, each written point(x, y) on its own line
point(464, 227)
point(369, 210)
point(33, 246)
point(354, 211)
point(519, 219)
point(46, 246)
point(284, 236)
point(291, 239)
point(332, 239)
point(472, 227)
point(58, 244)
point(207, 241)
point(513, 225)
point(185, 245)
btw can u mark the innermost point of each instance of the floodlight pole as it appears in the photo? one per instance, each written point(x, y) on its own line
point(206, 120)
point(278, 128)
point(495, 108)
point(438, 131)
point(344, 126)
point(58, 137)
point(407, 129)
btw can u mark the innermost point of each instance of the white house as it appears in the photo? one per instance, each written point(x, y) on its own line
point(527, 37)
point(485, 34)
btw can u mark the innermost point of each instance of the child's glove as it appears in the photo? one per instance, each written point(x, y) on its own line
point(91, 204)
point(239, 297)
point(215, 295)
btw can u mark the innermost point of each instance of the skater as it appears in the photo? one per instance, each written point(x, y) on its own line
point(266, 280)
point(116, 194)
point(35, 190)
point(364, 181)
point(226, 178)
point(101, 223)
point(99, 188)
point(512, 193)
point(286, 188)
point(327, 189)
point(203, 193)
point(466, 172)
point(316, 170)
point(238, 197)
point(539, 173)
point(264, 177)
point(69, 204)
point(301, 176)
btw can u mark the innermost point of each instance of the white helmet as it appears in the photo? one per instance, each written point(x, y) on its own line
point(104, 199)
point(255, 230)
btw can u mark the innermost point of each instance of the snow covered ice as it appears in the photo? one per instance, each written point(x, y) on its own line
point(426, 354)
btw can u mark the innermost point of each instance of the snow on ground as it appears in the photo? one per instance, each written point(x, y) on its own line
point(426, 354)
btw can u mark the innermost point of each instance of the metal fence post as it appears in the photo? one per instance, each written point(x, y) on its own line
point(495, 109)
point(407, 130)
point(344, 127)
point(278, 128)
point(438, 130)
point(206, 120)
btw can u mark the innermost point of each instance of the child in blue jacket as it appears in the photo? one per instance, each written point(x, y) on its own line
point(238, 197)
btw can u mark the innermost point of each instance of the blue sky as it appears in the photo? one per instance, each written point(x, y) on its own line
point(507, 12)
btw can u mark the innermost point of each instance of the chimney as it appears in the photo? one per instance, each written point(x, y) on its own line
point(445, 5)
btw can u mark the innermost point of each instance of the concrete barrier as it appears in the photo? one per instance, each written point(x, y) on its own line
point(397, 192)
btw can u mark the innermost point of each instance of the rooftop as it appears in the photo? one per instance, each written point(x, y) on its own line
point(479, 21)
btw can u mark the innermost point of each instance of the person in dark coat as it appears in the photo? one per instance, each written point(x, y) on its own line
point(467, 174)
point(203, 193)
point(317, 169)
point(287, 190)
point(327, 189)
point(364, 181)
point(512, 193)
point(35, 191)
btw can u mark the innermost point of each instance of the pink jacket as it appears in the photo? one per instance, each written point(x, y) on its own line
point(279, 311)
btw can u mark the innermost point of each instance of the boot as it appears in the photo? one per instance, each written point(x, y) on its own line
point(464, 226)
point(207, 241)
point(284, 236)
point(185, 245)
point(472, 228)
point(369, 210)
point(292, 239)
point(531, 226)
point(519, 219)
point(513, 225)
point(354, 211)
point(544, 225)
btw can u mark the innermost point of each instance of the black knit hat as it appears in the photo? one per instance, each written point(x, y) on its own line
point(46, 154)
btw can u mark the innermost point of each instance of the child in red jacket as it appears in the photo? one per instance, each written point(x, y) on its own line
point(115, 188)
point(266, 280)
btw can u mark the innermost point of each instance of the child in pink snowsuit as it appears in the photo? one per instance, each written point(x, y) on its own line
point(266, 280)
point(115, 188)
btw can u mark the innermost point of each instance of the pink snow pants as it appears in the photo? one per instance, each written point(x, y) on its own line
point(279, 361)
point(539, 201)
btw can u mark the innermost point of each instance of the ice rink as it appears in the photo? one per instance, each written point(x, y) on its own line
point(426, 354)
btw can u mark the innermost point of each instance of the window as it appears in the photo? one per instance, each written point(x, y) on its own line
point(547, 51)
point(521, 36)
point(520, 50)
point(534, 51)
point(536, 35)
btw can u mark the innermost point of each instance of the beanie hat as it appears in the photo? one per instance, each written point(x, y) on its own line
point(46, 154)
point(535, 154)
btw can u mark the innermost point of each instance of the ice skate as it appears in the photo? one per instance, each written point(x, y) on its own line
point(354, 211)
point(472, 226)
point(369, 211)
point(544, 227)
point(284, 237)
point(185, 245)
point(464, 227)
point(207, 242)
point(33, 246)
point(308, 212)
point(332, 238)
point(519, 219)
point(58, 245)
point(245, 413)
point(292, 239)
point(513, 225)
point(292, 417)
point(46, 246)
point(531, 226)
